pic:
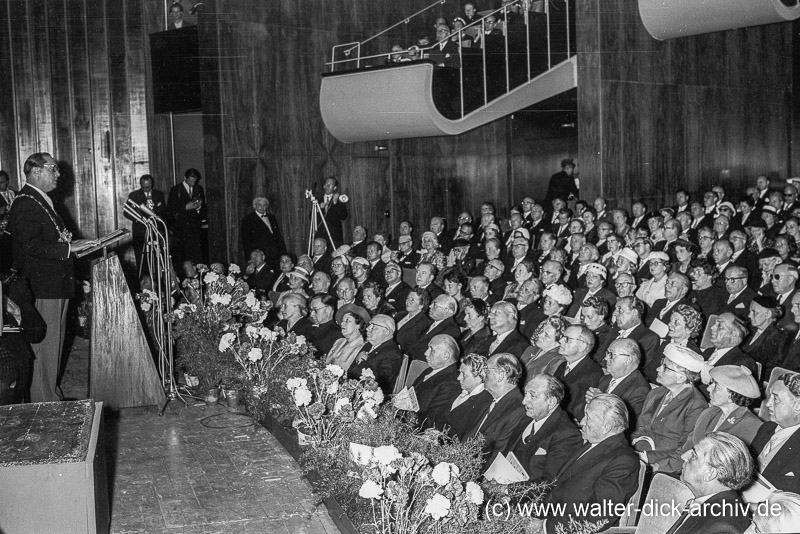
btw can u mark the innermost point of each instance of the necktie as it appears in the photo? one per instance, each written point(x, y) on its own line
point(191, 192)
point(528, 432)
point(485, 417)
point(494, 345)
point(612, 384)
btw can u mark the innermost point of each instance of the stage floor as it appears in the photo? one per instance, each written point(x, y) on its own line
point(175, 475)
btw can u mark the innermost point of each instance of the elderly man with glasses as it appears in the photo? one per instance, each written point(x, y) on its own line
point(42, 250)
point(579, 372)
point(381, 354)
point(784, 282)
point(506, 338)
point(497, 425)
point(739, 294)
point(624, 379)
point(727, 334)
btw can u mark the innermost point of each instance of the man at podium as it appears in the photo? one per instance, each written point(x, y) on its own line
point(42, 249)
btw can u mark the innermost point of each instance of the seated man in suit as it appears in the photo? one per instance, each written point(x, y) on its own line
point(324, 330)
point(501, 378)
point(293, 315)
point(624, 378)
point(438, 387)
point(727, 334)
point(546, 437)
point(442, 311)
point(777, 443)
point(739, 295)
point(529, 311)
point(714, 470)
point(381, 354)
point(472, 403)
point(258, 275)
point(579, 372)
point(628, 315)
point(677, 289)
point(604, 471)
point(396, 290)
point(506, 339)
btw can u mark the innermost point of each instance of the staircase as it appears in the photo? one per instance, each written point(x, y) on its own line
point(531, 62)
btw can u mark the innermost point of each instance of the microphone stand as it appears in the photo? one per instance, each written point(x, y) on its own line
point(159, 265)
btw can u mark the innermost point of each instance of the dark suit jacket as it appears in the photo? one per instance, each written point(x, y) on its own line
point(586, 375)
point(303, 327)
point(324, 336)
point(648, 343)
point(670, 428)
point(261, 281)
point(178, 198)
point(385, 362)
point(499, 425)
point(514, 343)
point(767, 350)
point(334, 215)
point(477, 343)
point(710, 300)
point(735, 356)
point(139, 197)
point(38, 255)
point(435, 396)
point(608, 473)
point(580, 294)
point(398, 296)
point(786, 321)
point(603, 338)
point(461, 420)
point(416, 351)
point(783, 471)
point(658, 306)
point(633, 390)
point(410, 332)
point(790, 359)
point(528, 318)
point(546, 450)
point(740, 305)
point(713, 521)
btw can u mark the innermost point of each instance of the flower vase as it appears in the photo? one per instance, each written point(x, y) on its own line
point(305, 437)
point(212, 396)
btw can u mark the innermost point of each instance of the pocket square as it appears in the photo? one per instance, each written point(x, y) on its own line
point(789, 474)
point(740, 305)
point(540, 452)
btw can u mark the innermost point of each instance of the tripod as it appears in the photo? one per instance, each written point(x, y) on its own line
point(317, 215)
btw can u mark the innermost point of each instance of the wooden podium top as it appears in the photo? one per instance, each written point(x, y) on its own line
point(45, 432)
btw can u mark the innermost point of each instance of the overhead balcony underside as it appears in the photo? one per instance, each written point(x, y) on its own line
point(397, 102)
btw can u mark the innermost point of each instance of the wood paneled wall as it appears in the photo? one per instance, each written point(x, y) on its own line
point(656, 116)
point(76, 84)
point(261, 95)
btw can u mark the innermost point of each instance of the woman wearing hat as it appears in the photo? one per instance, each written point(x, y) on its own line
point(685, 324)
point(670, 411)
point(543, 356)
point(298, 281)
point(732, 389)
point(765, 344)
point(557, 299)
point(769, 215)
point(354, 327)
point(655, 288)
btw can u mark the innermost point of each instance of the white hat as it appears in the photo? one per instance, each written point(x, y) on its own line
point(736, 378)
point(629, 255)
point(686, 358)
point(596, 268)
point(662, 256)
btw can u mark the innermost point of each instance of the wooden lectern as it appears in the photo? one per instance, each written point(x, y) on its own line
point(123, 371)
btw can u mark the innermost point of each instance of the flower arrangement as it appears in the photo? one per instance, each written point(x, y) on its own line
point(326, 400)
point(408, 495)
point(224, 304)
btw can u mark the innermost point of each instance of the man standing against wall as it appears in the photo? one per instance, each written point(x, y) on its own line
point(42, 252)
point(334, 211)
point(187, 203)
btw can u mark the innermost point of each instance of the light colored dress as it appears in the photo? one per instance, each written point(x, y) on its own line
point(343, 353)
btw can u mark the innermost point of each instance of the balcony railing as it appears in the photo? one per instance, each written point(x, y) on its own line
point(509, 46)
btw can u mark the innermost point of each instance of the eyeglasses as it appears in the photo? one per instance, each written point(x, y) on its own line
point(668, 368)
point(732, 278)
point(316, 310)
point(370, 325)
point(779, 276)
point(575, 339)
point(52, 167)
point(610, 355)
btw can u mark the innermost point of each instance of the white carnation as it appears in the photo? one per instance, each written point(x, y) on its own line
point(370, 490)
point(335, 370)
point(332, 388)
point(376, 396)
point(210, 277)
point(234, 269)
point(302, 396)
point(438, 506)
point(226, 341)
point(474, 493)
point(255, 354)
point(340, 403)
point(231, 280)
point(367, 373)
point(251, 301)
point(442, 472)
point(294, 383)
point(386, 454)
